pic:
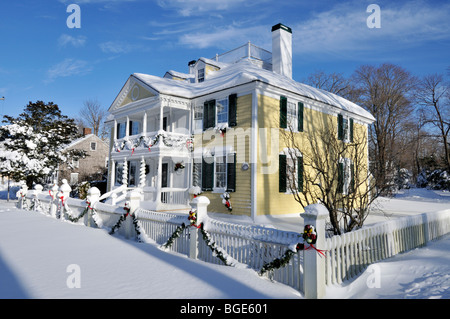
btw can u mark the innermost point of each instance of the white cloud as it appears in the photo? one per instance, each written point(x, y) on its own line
point(225, 38)
point(343, 28)
point(66, 39)
point(68, 67)
point(199, 7)
point(117, 47)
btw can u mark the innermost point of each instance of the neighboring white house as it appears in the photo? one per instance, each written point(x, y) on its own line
point(203, 129)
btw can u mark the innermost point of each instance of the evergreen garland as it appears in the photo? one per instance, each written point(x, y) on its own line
point(137, 228)
point(76, 219)
point(151, 142)
point(119, 223)
point(280, 262)
point(212, 245)
point(175, 235)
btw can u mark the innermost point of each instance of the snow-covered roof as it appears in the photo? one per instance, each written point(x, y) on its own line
point(244, 72)
point(180, 74)
point(80, 139)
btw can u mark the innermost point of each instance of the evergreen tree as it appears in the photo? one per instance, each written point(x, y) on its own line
point(32, 143)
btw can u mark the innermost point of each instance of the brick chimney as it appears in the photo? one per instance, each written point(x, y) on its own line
point(86, 131)
point(282, 50)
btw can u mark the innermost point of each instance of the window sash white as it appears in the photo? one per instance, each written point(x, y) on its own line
point(291, 116)
point(222, 111)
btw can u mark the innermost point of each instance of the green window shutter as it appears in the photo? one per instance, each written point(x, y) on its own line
point(231, 172)
point(205, 116)
point(340, 127)
point(340, 177)
point(207, 175)
point(351, 130)
point(209, 114)
point(300, 173)
point(232, 110)
point(300, 116)
point(282, 173)
point(283, 112)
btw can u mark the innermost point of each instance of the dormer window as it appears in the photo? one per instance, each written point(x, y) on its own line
point(200, 75)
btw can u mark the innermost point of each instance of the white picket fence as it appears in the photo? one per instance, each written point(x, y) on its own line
point(248, 246)
point(346, 256)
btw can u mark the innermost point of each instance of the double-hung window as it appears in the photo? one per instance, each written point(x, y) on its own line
point(215, 173)
point(291, 114)
point(222, 111)
point(290, 172)
point(220, 172)
point(200, 75)
point(198, 118)
point(346, 176)
point(121, 130)
point(218, 112)
point(345, 128)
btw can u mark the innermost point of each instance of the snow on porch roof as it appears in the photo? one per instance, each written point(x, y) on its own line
point(245, 72)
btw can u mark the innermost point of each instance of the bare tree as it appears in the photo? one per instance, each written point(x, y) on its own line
point(333, 172)
point(92, 115)
point(386, 93)
point(333, 82)
point(434, 97)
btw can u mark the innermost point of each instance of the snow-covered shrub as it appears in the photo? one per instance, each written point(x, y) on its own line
point(403, 179)
point(436, 179)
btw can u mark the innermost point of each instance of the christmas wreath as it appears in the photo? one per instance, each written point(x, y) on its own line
point(309, 234)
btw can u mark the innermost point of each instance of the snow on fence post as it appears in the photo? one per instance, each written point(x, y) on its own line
point(21, 195)
point(63, 195)
point(92, 197)
point(313, 261)
point(37, 190)
point(54, 202)
point(200, 205)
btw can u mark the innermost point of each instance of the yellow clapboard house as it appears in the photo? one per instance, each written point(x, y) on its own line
point(221, 130)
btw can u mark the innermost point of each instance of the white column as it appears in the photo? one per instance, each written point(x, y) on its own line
point(114, 131)
point(161, 116)
point(112, 167)
point(125, 172)
point(159, 180)
point(144, 124)
point(142, 173)
point(127, 127)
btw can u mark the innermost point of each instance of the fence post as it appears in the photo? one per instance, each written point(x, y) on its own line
point(37, 190)
point(64, 194)
point(54, 202)
point(133, 199)
point(21, 195)
point(93, 195)
point(313, 261)
point(200, 204)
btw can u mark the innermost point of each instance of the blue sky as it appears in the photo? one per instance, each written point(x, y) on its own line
point(41, 58)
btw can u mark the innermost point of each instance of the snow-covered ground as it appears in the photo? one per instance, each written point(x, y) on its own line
point(40, 257)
